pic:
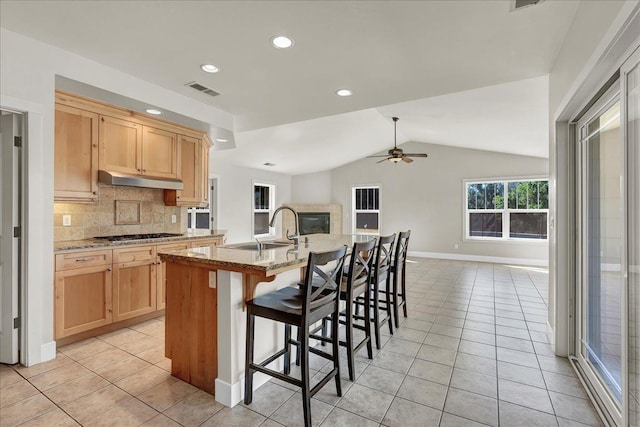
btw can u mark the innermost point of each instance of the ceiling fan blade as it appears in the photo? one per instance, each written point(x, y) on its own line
point(385, 155)
point(407, 159)
point(383, 160)
point(416, 154)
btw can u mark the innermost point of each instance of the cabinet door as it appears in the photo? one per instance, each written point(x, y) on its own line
point(76, 155)
point(204, 174)
point(189, 171)
point(159, 153)
point(134, 282)
point(82, 300)
point(161, 294)
point(120, 145)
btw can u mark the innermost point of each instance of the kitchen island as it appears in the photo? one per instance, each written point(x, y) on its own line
point(207, 289)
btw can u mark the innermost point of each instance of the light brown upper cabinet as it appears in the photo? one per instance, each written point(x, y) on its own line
point(92, 135)
point(76, 155)
point(120, 145)
point(159, 153)
point(136, 149)
point(193, 170)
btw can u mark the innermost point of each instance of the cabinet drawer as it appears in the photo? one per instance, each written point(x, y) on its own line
point(134, 255)
point(217, 241)
point(172, 246)
point(82, 260)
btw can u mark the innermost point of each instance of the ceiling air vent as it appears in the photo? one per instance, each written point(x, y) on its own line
point(201, 88)
point(521, 4)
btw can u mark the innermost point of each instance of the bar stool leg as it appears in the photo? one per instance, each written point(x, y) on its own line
point(304, 375)
point(336, 346)
point(404, 290)
point(349, 338)
point(388, 304)
point(396, 316)
point(287, 347)
point(376, 318)
point(248, 372)
point(367, 324)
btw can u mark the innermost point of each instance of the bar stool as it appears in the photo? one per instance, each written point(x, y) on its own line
point(355, 284)
point(318, 298)
point(399, 273)
point(380, 287)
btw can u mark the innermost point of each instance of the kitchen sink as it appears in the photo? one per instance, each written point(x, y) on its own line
point(253, 246)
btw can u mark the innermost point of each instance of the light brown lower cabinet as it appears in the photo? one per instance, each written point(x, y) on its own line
point(83, 292)
point(134, 282)
point(100, 287)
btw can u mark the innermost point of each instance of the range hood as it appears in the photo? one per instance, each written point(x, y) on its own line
point(117, 178)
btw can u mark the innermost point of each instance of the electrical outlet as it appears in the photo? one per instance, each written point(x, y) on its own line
point(174, 219)
point(66, 220)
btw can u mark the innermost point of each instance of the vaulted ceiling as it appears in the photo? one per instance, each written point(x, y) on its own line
point(464, 73)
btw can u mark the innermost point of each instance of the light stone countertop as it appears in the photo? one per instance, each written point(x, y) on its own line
point(267, 262)
point(191, 234)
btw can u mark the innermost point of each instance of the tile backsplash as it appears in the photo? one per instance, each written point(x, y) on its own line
point(99, 219)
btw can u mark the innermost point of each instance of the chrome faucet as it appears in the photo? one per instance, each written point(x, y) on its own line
point(295, 237)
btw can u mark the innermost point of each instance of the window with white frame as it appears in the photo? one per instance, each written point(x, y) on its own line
point(507, 209)
point(366, 210)
point(263, 206)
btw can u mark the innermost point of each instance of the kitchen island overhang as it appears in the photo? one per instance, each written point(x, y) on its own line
point(207, 289)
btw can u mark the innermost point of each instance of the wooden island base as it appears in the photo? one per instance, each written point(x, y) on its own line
point(191, 334)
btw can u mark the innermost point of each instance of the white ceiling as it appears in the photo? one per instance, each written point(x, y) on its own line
point(436, 54)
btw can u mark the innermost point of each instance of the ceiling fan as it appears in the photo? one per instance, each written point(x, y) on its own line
point(395, 155)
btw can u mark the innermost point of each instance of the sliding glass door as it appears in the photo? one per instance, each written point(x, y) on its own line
point(608, 248)
point(631, 88)
point(602, 247)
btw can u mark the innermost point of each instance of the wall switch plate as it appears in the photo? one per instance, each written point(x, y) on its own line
point(456, 246)
point(174, 219)
point(213, 279)
point(66, 220)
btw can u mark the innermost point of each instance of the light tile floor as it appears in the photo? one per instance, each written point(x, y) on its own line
point(473, 351)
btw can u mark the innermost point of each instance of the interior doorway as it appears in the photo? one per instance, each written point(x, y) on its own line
point(11, 133)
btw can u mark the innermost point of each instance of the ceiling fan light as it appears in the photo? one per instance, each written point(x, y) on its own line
point(395, 159)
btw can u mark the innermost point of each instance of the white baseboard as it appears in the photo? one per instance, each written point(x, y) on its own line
point(232, 394)
point(481, 258)
point(48, 351)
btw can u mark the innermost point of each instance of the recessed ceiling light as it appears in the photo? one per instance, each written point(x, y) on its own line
point(209, 68)
point(344, 92)
point(153, 111)
point(222, 140)
point(281, 42)
point(269, 164)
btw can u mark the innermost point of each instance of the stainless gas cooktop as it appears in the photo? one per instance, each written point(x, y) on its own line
point(137, 236)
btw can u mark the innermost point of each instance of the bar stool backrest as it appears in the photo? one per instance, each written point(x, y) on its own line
point(402, 245)
point(361, 266)
point(383, 258)
point(320, 287)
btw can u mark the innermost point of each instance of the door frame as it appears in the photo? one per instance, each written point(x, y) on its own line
point(36, 311)
point(12, 217)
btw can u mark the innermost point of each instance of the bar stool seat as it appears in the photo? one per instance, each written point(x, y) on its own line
point(300, 307)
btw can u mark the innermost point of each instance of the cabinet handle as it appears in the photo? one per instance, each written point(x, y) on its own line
point(95, 192)
point(84, 259)
point(109, 269)
point(144, 171)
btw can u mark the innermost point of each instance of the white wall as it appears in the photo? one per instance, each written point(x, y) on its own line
point(426, 196)
point(28, 69)
point(311, 188)
point(235, 197)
